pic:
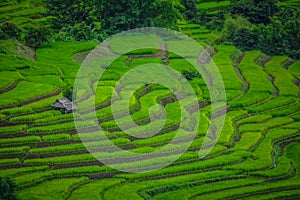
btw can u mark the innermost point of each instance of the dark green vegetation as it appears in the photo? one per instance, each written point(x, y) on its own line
point(257, 155)
point(270, 26)
point(7, 189)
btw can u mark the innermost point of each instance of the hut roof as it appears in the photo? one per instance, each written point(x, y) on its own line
point(64, 103)
point(64, 100)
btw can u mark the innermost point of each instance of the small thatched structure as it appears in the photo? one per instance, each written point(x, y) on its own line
point(64, 105)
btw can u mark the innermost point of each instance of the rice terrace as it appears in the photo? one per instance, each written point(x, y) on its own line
point(249, 138)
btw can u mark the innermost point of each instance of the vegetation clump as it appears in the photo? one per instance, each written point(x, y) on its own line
point(7, 189)
point(9, 30)
point(190, 75)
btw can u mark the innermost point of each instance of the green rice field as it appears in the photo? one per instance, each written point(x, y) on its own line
point(256, 157)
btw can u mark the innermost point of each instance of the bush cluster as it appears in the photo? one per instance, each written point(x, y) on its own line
point(190, 75)
point(9, 30)
point(279, 37)
point(7, 189)
point(32, 36)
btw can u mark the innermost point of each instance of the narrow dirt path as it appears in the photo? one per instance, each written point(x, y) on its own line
point(12, 86)
point(246, 87)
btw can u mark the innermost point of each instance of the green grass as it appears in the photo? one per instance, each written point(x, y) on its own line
point(284, 81)
point(17, 171)
point(295, 125)
point(213, 5)
point(197, 32)
point(12, 129)
point(247, 141)
point(56, 118)
point(29, 178)
point(184, 48)
point(146, 102)
point(288, 110)
point(14, 150)
point(274, 103)
point(56, 137)
point(134, 44)
point(9, 161)
point(291, 153)
point(10, 62)
point(25, 91)
point(67, 159)
point(42, 153)
point(208, 188)
point(291, 193)
point(250, 98)
point(193, 166)
point(257, 188)
point(295, 116)
point(283, 167)
point(8, 78)
point(54, 189)
point(254, 74)
point(272, 123)
point(47, 79)
point(263, 152)
point(70, 147)
point(224, 63)
point(228, 129)
point(294, 69)
point(33, 117)
point(93, 189)
point(33, 107)
point(254, 119)
point(20, 140)
point(289, 3)
point(180, 65)
point(140, 61)
point(57, 127)
point(163, 184)
point(60, 54)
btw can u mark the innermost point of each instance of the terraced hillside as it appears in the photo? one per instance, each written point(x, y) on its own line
point(23, 13)
point(256, 156)
point(212, 7)
point(289, 3)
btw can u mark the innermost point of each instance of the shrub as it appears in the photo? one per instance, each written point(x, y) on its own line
point(37, 36)
point(277, 35)
point(232, 24)
point(3, 48)
point(7, 189)
point(193, 13)
point(256, 11)
point(78, 32)
point(190, 75)
point(245, 39)
point(68, 93)
point(10, 30)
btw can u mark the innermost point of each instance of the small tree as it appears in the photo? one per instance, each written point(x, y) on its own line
point(190, 75)
point(245, 39)
point(10, 30)
point(231, 25)
point(69, 93)
point(37, 36)
point(191, 11)
point(256, 11)
point(7, 189)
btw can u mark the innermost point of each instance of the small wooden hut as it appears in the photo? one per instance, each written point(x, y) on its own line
point(64, 105)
